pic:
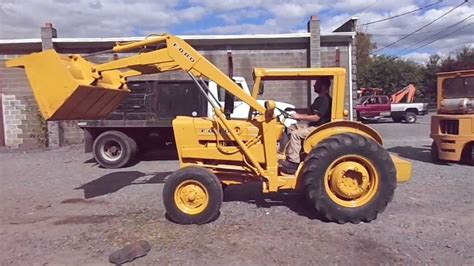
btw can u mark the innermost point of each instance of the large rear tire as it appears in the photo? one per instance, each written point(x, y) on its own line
point(349, 178)
point(114, 149)
point(192, 195)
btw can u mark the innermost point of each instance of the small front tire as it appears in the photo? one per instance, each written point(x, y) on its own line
point(192, 195)
point(467, 155)
point(434, 153)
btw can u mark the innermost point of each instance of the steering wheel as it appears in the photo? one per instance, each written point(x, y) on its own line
point(283, 113)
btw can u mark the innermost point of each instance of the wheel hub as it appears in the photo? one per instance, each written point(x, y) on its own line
point(111, 151)
point(350, 180)
point(191, 197)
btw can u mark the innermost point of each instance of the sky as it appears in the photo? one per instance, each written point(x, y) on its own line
point(118, 18)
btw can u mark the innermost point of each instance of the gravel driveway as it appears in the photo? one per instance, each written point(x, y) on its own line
point(58, 207)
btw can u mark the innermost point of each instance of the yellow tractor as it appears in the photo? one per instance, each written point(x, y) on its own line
point(346, 176)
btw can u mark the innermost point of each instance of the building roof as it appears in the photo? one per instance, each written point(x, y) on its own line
point(301, 37)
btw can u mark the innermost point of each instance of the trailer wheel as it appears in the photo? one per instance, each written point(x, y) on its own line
point(349, 178)
point(192, 195)
point(114, 149)
point(410, 117)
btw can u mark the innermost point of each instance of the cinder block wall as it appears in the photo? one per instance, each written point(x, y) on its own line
point(22, 123)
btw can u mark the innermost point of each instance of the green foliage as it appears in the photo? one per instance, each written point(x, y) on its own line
point(393, 73)
point(364, 47)
point(389, 73)
point(464, 59)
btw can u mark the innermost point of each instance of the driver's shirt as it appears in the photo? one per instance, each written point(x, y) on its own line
point(322, 107)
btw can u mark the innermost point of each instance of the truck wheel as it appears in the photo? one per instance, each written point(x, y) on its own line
point(397, 119)
point(349, 178)
point(410, 117)
point(434, 153)
point(192, 195)
point(114, 149)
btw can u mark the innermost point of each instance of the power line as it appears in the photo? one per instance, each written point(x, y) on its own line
point(364, 8)
point(402, 14)
point(418, 33)
point(442, 37)
point(419, 29)
point(434, 35)
point(360, 10)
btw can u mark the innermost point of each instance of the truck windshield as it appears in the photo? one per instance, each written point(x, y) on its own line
point(362, 100)
point(221, 91)
point(461, 87)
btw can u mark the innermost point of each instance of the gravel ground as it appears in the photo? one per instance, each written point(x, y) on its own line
point(59, 207)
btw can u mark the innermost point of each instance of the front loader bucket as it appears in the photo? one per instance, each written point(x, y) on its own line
point(67, 88)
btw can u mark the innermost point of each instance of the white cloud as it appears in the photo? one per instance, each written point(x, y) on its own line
point(420, 58)
point(107, 18)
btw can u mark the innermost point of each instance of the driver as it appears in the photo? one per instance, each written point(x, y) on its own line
point(317, 114)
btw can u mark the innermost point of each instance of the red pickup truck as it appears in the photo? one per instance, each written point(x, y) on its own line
point(376, 107)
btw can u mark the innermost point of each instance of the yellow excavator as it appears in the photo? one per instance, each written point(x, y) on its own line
point(346, 176)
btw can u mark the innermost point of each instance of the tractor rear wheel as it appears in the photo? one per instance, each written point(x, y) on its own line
point(192, 195)
point(349, 178)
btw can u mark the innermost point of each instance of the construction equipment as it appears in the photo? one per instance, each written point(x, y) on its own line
point(347, 175)
point(368, 91)
point(452, 128)
point(406, 95)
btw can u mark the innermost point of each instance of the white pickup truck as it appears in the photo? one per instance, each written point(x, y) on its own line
point(241, 109)
point(143, 121)
point(376, 107)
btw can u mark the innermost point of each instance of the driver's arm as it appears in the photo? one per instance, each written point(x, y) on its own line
point(322, 109)
point(298, 110)
point(306, 117)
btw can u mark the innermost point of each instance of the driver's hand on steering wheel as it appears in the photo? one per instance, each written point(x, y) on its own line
point(295, 116)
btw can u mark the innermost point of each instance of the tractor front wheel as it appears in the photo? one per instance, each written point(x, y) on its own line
point(192, 195)
point(349, 178)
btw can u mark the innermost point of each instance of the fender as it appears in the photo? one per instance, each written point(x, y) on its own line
point(339, 127)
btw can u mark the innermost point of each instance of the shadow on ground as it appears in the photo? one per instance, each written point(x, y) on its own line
point(113, 182)
point(413, 153)
point(153, 155)
point(160, 155)
point(252, 193)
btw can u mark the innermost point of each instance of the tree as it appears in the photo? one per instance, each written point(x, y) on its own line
point(364, 47)
point(390, 73)
point(464, 59)
point(430, 76)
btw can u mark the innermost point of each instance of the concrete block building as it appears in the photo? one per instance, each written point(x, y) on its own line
point(22, 126)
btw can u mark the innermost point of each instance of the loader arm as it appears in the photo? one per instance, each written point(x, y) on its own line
point(71, 87)
point(63, 84)
point(176, 54)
